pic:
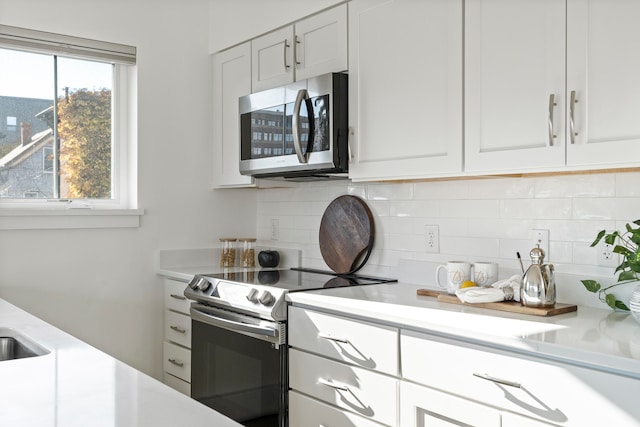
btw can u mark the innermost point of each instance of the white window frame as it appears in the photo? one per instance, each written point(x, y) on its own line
point(120, 211)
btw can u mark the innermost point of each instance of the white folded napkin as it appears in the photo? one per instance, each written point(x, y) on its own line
point(502, 290)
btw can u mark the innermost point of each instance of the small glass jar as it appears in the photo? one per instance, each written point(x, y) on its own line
point(248, 252)
point(228, 251)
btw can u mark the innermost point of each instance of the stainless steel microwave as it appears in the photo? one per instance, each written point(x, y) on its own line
point(298, 131)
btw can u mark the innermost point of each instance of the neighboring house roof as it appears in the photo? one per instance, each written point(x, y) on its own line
point(24, 151)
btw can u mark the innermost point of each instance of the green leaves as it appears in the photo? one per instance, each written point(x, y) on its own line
point(591, 285)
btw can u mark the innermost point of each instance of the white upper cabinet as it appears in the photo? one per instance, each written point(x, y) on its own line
point(514, 85)
point(310, 47)
point(405, 88)
point(231, 80)
point(603, 70)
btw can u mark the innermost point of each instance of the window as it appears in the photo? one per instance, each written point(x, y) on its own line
point(66, 100)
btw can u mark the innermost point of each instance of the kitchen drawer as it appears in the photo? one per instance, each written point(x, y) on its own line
point(307, 412)
point(177, 328)
point(356, 342)
point(177, 384)
point(366, 393)
point(177, 361)
point(174, 298)
point(422, 406)
point(554, 392)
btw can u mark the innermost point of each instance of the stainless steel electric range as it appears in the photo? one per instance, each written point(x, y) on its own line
point(238, 352)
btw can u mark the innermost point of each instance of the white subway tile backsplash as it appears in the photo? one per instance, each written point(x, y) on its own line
point(478, 219)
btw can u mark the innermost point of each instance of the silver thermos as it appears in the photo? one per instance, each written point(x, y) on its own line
point(538, 284)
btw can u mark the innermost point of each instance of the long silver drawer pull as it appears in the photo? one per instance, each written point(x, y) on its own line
point(572, 116)
point(498, 380)
point(175, 362)
point(284, 56)
point(178, 329)
point(180, 297)
point(552, 104)
point(331, 338)
point(332, 385)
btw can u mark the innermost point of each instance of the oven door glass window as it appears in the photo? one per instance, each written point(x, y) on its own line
point(238, 376)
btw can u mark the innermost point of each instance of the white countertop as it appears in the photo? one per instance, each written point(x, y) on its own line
point(78, 385)
point(598, 338)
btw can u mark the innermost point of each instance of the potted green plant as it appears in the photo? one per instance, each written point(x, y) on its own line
point(627, 244)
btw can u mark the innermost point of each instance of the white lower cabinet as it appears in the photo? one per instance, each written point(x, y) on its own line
point(176, 350)
point(547, 391)
point(342, 372)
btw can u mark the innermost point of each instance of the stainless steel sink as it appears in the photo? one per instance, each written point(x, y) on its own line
point(14, 345)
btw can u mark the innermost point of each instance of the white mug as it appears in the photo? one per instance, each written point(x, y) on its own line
point(457, 273)
point(485, 273)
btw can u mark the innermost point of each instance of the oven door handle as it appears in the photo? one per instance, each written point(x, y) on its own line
point(231, 324)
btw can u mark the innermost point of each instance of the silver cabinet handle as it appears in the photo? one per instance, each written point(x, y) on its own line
point(178, 329)
point(303, 95)
point(498, 380)
point(296, 40)
point(552, 104)
point(331, 338)
point(572, 117)
point(180, 297)
point(175, 362)
point(333, 385)
point(284, 56)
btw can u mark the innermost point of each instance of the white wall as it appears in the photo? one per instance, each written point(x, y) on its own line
point(479, 220)
point(100, 285)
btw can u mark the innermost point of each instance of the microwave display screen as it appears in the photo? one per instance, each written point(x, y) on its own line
point(271, 134)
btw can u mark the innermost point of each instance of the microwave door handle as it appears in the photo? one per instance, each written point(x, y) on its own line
point(297, 125)
point(312, 127)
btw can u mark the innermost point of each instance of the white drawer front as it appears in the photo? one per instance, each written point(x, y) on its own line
point(364, 392)
point(421, 406)
point(174, 298)
point(307, 412)
point(177, 361)
point(177, 384)
point(363, 344)
point(177, 328)
point(553, 392)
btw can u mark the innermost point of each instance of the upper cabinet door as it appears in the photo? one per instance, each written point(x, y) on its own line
point(321, 43)
point(231, 80)
point(514, 85)
point(603, 74)
point(311, 47)
point(405, 88)
point(272, 59)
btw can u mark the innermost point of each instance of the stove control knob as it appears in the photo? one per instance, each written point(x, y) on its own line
point(203, 284)
point(266, 298)
point(253, 295)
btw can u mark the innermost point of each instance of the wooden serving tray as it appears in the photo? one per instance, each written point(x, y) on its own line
point(510, 306)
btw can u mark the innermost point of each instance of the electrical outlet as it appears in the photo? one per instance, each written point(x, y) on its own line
point(432, 239)
point(541, 238)
point(275, 229)
point(605, 255)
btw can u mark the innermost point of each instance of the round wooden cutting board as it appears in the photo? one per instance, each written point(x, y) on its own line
point(346, 234)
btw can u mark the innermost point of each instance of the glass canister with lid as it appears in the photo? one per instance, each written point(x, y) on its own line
point(228, 251)
point(248, 252)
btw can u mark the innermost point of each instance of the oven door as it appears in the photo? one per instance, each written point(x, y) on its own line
point(239, 366)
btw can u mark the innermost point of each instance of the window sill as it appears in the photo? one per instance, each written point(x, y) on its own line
point(43, 219)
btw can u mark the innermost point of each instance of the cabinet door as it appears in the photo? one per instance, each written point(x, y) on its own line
point(514, 64)
point(424, 407)
point(272, 59)
point(405, 88)
point(603, 65)
point(321, 43)
point(231, 80)
point(513, 420)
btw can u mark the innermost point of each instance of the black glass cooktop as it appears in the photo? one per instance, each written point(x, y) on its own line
point(299, 279)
